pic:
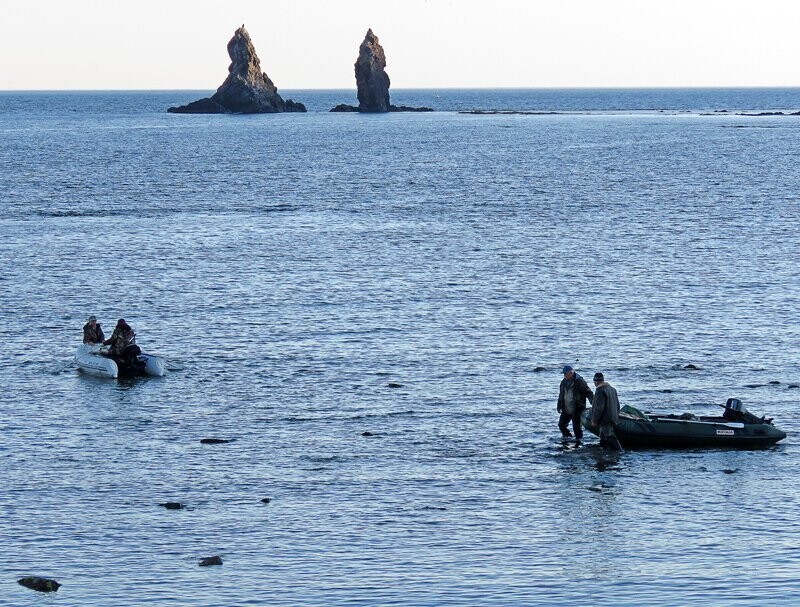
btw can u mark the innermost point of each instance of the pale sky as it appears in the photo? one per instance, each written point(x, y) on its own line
point(180, 44)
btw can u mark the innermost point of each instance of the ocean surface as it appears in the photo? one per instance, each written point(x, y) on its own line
point(359, 302)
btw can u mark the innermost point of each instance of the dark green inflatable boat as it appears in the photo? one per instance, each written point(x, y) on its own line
point(736, 427)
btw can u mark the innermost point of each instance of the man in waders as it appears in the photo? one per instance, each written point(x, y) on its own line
point(572, 395)
point(605, 412)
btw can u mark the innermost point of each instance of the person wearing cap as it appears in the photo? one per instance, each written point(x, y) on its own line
point(123, 343)
point(605, 412)
point(572, 396)
point(93, 332)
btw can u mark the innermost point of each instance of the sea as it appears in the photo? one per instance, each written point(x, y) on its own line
point(375, 310)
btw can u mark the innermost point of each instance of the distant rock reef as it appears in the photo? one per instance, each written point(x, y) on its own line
point(246, 90)
point(373, 81)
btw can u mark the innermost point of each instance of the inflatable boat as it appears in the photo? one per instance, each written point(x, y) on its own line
point(94, 360)
point(736, 427)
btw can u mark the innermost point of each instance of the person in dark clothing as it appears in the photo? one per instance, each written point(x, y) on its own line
point(93, 332)
point(123, 345)
point(572, 396)
point(605, 412)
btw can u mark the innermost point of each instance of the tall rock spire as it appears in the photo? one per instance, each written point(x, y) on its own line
point(246, 90)
point(371, 77)
point(373, 81)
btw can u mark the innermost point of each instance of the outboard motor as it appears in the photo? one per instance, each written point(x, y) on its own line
point(735, 411)
point(734, 404)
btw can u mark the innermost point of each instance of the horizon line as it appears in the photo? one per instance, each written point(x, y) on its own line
point(417, 88)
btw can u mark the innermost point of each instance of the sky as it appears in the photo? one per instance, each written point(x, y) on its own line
point(311, 44)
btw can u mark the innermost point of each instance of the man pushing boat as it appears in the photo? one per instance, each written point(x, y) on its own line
point(605, 412)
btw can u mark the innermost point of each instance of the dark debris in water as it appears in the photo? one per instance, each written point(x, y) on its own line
point(394, 384)
point(793, 386)
point(172, 505)
point(691, 367)
point(39, 584)
point(730, 470)
point(210, 560)
point(539, 369)
point(215, 441)
point(266, 500)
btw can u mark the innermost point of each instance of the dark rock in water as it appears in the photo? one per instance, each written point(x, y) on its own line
point(691, 367)
point(539, 369)
point(367, 434)
point(408, 108)
point(201, 106)
point(373, 81)
point(215, 441)
point(731, 470)
point(246, 90)
point(763, 114)
point(774, 382)
point(39, 584)
point(393, 384)
point(173, 505)
point(210, 560)
point(509, 113)
point(266, 500)
point(667, 391)
point(752, 385)
point(343, 107)
point(793, 386)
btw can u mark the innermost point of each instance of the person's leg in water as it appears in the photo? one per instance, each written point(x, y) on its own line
point(563, 420)
point(576, 425)
point(608, 439)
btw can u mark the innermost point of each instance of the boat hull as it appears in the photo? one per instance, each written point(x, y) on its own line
point(656, 432)
point(91, 361)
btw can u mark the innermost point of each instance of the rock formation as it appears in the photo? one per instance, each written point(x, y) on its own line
point(373, 81)
point(39, 584)
point(246, 90)
point(371, 77)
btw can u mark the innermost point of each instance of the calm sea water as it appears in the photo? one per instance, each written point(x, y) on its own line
point(316, 277)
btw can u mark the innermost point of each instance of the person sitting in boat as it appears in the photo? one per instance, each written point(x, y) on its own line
point(93, 332)
point(123, 344)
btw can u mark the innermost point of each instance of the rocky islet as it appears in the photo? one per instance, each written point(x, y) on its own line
point(373, 82)
point(246, 90)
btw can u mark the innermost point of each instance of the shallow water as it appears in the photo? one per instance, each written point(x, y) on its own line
point(295, 266)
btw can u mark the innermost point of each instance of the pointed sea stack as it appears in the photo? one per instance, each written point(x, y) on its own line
point(246, 90)
point(371, 77)
point(373, 81)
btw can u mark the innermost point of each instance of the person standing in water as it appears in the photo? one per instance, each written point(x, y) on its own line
point(605, 412)
point(572, 396)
